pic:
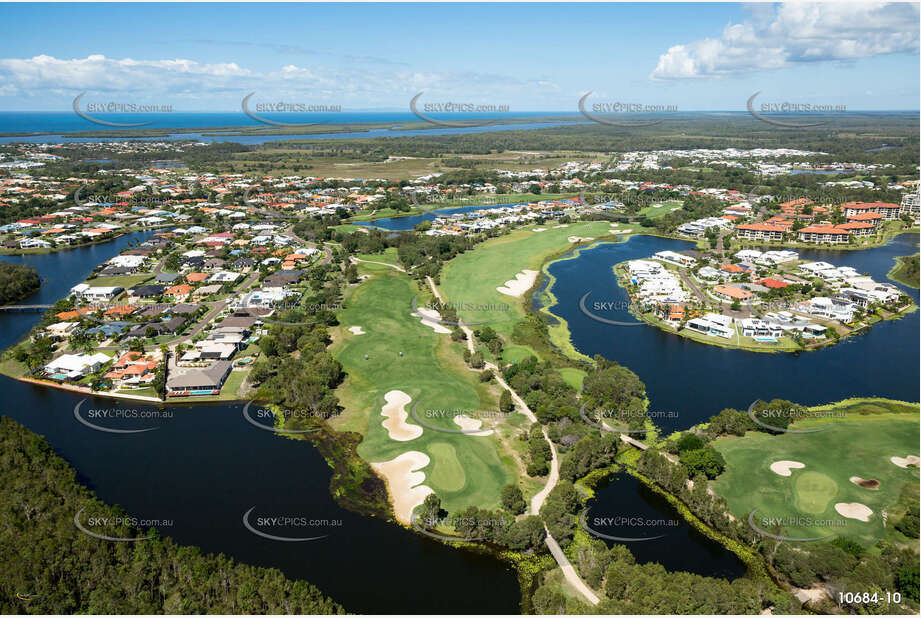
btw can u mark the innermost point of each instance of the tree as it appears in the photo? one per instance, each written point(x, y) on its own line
point(704, 461)
point(506, 405)
point(513, 500)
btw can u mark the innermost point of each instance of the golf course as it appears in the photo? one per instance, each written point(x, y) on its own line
point(840, 479)
point(470, 280)
point(399, 366)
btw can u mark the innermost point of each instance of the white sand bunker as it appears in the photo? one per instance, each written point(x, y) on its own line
point(520, 284)
point(356, 330)
point(404, 483)
point(580, 239)
point(627, 231)
point(395, 411)
point(854, 510)
point(432, 319)
point(539, 229)
point(904, 462)
point(783, 468)
point(561, 225)
point(471, 425)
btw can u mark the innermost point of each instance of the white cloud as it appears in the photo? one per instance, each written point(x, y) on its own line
point(194, 85)
point(796, 33)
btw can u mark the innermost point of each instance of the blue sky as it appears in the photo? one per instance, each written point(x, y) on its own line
point(531, 57)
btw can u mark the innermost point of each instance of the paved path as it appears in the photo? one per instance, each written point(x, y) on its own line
point(355, 260)
point(537, 501)
point(569, 571)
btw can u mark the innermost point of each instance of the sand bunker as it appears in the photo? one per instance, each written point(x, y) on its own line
point(783, 468)
point(561, 225)
point(865, 483)
point(854, 510)
point(395, 411)
point(580, 239)
point(904, 462)
point(356, 330)
point(471, 425)
point(431, 318)
point(404, 483)
point(539, 229)
point(627, 231)
point(520, 284)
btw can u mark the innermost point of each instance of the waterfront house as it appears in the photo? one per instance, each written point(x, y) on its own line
point(198, 382)
point(733, 293)
point(75, 366)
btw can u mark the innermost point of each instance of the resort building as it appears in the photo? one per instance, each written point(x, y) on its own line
point(889, 211)
point(759, 231)
point(825, 234)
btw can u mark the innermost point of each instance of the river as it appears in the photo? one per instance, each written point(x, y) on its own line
point(205, 466)
point(687, 382)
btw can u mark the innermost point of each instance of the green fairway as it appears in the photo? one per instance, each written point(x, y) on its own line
point(663, 209)
point(465, 470)
point(471, 279)
point(856, 439)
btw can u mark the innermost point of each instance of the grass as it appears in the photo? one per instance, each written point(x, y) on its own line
point(905, 270)
point(471, 279)
point(464, 470)
point(389, 256)
point(857, 438)
point(122, 281)
point(664, 209)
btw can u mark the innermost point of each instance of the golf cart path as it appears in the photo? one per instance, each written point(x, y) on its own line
point(569, 572)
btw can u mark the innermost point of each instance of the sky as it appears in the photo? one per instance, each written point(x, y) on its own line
point(529, 57)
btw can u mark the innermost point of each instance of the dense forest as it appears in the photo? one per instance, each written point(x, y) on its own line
point(48, 566)
point(17, 281)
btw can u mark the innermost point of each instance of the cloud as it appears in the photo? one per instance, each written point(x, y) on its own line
point(796, 33)
point(189, 84)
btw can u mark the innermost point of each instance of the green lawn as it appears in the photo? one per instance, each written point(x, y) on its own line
point(122, 281)
point(857, 438)
point(471, 278)
point(389, 256)
point(664, 209)
point(465, 470)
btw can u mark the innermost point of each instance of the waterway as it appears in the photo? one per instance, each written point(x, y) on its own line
point(402, 224)
point(687, 382)
point(625, 508)
point(205, 466)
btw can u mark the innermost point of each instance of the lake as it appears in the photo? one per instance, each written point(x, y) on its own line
point(687, 382)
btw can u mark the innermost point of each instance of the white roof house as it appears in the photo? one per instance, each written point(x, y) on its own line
point(76, 365)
